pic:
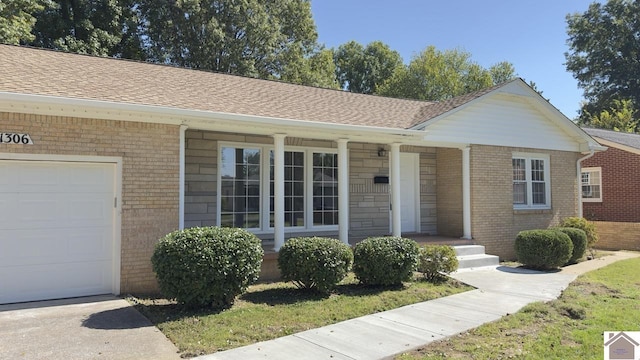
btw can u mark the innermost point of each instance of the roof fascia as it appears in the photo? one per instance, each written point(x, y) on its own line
point(204, 120)
point(616, 145)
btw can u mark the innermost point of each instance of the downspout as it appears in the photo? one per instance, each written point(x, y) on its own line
point(579, 172)
point(183, 151)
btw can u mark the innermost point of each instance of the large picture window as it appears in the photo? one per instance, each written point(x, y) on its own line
point(246, 190)
point(531, 185)
point(592, 184)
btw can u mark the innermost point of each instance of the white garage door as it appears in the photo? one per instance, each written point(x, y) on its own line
point(56, 229)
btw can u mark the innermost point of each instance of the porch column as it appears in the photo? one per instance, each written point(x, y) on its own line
point(396, 219)
point(278, 191)
point(466, 193)
point(343, 191)
point(181, 178)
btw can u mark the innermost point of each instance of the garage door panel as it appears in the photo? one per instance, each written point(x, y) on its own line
point(51, 246)
point(56, 229)
point(53, 281)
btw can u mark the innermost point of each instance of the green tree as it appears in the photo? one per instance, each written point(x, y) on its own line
point(604, 53)
point(98, 27)
point(435, 75)
point(17, 20)
point(502, 72)
point(251, 37)
point(620, 116)
point(317, 70)
point(362, 69)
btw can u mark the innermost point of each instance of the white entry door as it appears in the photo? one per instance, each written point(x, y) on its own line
point(410, 192)
point(56, 229)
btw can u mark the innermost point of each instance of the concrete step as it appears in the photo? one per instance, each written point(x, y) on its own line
point(464, 250)
point(478, 260)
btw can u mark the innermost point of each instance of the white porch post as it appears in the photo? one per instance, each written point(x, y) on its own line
point(181, 179)
point(396, 206)
point(278, 191)
point(343, 191)
point(466, 192)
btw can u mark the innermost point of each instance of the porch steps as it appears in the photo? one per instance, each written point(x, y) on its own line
point(473, 256)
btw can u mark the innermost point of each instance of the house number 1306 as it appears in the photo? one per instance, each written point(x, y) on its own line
point(13, 138)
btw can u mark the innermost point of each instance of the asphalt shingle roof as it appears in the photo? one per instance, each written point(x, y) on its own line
point(25, 70)
point(622, 138)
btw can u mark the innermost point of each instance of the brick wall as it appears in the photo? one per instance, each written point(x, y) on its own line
point(150, 179)
point(620, 187)
point(618, 235)
point(494, 222)
point(449, 192)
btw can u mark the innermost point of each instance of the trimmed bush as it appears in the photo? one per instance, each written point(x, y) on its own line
point(543, 249)
point(579, 240)
point(207, 266)
point(585, 225)
point(436, 260)
point(315, 262)
point(385, 260)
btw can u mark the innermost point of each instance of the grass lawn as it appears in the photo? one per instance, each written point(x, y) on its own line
point(268, 311)
point(570, 327)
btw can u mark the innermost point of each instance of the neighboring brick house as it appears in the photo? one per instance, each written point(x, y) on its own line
point(610, 183)
point(101, 157)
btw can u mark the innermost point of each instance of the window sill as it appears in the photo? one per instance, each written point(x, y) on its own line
point(531, 211)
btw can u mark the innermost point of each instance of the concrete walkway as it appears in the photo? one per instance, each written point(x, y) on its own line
point(500, 291)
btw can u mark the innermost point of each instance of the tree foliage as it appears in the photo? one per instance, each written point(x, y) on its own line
point(604, 53)
point(250, 37)
point(318, 70)
point(17, 20)
point(620, 116)
point(436, 75)
point(100, 28)
point(362, 69)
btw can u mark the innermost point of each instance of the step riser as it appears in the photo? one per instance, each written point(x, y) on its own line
point(478, 261)
point(467, 250)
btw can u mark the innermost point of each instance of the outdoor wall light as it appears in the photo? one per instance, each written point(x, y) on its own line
point(382, 152)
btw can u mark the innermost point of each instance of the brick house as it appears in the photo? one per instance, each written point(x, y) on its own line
point(610, 180)
point(101, 157)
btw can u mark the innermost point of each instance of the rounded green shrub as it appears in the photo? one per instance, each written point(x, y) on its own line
point(315, 262)
point(385, 260)
point(436, 260)
point(579, 240)
point(543, 249)
point(207, 266)
point(585, 225)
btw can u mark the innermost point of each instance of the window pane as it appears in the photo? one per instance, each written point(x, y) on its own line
point(293, 186)
point(519, 193)
point(539, 193)
point(325, 189)
point(240, 187)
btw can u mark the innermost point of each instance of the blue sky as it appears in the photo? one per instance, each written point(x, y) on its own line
point(530, 34)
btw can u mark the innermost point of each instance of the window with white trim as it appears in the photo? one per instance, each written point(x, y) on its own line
point(531, 181)
point(592, 184)
point(246, 187)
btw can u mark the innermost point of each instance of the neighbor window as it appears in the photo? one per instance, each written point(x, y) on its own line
point(246, 190)
point(531, 185)
point(592, 184)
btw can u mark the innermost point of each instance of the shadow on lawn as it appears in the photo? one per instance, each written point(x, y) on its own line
point(285, 296)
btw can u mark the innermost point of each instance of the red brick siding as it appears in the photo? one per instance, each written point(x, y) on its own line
point(150, 177)
point(620, 187)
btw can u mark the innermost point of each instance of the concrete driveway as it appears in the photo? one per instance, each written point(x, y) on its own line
point(97, 327)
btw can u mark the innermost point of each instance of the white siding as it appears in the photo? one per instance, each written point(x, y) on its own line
point(502, 120)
